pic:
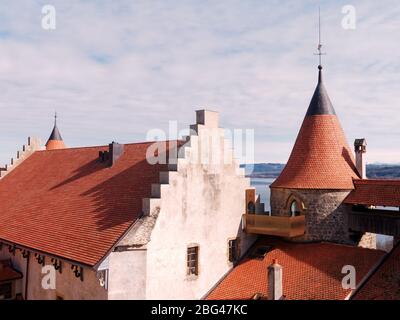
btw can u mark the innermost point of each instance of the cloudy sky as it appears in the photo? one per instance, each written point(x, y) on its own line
point(115, 69)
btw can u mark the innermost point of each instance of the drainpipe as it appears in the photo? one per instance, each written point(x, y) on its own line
point(27, 276)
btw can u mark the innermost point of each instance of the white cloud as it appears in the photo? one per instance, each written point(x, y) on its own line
point(113, 70)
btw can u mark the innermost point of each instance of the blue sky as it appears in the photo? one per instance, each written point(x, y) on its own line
point(115, 69)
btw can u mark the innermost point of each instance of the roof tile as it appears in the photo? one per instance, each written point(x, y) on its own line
point(321, 157)
point(68, 204)
point(375, 192)
point(311, 271)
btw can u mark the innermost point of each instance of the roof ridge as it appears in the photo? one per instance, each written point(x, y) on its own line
point(106, 145)
point(351, 246)
point(383, 181)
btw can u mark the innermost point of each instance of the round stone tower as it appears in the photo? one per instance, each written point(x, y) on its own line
point(318, 175)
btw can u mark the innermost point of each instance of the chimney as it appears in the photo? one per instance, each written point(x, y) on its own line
point(115, 151)
point(360, 147)
point(275, 291)
point(207, 118)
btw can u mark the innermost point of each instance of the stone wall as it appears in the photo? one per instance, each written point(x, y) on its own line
point(326, 218)
point(368, 240)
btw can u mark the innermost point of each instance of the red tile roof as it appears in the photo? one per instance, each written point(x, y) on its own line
point(384, 283)
point(7, 272)
point(66, 203)
point(375, 192)
point(321, 157)
point(310, 271)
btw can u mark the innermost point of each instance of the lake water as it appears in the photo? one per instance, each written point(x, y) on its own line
point(262, 188)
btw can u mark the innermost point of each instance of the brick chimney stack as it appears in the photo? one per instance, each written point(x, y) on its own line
point(275, 290)
point(360, 147)
point(115, 151)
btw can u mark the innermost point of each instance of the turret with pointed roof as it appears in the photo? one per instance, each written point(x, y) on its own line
point(55, 140)
point(319, 173)
point(321, 157)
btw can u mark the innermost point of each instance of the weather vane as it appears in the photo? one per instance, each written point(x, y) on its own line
point(320, 53)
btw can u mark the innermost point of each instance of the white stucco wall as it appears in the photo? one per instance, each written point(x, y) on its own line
point(202, 204)
point(127, 275)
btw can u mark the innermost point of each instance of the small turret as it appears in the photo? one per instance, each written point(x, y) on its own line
point(55, 141)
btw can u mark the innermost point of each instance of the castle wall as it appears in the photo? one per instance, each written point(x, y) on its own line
point(127, 275)
point(202, 204)
point(326, 218)
point(33, 145)
point(67, 285)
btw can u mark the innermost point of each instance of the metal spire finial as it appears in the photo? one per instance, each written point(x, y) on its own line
point(55, 118)
point(320, 53)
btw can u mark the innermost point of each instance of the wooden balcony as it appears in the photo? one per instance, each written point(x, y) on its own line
point(274, 225)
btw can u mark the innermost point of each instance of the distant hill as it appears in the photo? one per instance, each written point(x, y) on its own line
point(383, 171)
point(272, 170)
point(263, 170)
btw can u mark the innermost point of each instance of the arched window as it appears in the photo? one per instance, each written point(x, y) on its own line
point(294, 209)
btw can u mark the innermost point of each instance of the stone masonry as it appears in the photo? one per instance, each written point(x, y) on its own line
point(325, 215)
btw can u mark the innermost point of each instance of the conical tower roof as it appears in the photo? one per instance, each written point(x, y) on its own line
point(55, 140)
point(321, 157)
point(55, 134)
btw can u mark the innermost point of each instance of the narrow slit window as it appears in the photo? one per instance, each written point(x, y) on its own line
point(193, 261)
point(233, 246)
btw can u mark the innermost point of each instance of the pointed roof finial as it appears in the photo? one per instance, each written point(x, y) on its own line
point(319, 48)
point(55, 140)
